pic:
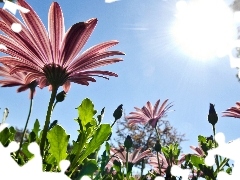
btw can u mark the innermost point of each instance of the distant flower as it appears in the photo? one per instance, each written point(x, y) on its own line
point(149, 114)
point(121, 155)
point(164, 163)
point(17, 79)
point(233, 111)
point(198, 151)
point(53, 57)
point(153, 161)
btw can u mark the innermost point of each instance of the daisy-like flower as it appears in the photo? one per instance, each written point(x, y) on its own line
point(121, 156)
point(153, 161)
point(164, 163)
point(149, 114)
point(53, 57)
point(233, 111)
point(17, 79)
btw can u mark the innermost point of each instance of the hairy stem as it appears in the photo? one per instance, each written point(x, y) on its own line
point(48, 118)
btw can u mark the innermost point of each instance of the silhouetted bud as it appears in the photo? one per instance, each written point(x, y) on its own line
point(212, 116)
point(158, 146)
point(210, 138)
point(61, 96)
point(118, 112)
point(128, 142)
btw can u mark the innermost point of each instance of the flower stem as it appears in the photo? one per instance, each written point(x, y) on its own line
point(216, 158)
point(127, 163)
point(158, 136)
point(159, 139)
point(48, 118)
point(25, 128)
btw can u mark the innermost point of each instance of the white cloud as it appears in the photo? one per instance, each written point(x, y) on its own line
point(110, 1)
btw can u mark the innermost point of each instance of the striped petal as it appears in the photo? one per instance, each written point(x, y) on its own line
point(37, 29)
point(56, 29)
point(75, 39)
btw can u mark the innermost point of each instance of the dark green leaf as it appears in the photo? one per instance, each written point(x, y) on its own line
point(88, 168)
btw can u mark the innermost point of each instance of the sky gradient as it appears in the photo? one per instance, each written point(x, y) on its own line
point(154, 67)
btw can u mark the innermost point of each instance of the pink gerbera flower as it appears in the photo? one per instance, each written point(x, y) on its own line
point(53, 57)
point(149, 114)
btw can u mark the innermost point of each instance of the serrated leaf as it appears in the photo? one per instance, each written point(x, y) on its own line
point(86, 112)
point(58, 140)
point(98, 139)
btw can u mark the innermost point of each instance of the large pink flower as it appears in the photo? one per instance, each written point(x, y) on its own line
point(17, 79)
point(233, 111)
point(149, 114)
point(53, 57)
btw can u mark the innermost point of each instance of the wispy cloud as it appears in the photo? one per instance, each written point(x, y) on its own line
point(136, 28)
point(111, 1)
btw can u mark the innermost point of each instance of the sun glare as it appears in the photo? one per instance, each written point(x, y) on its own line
point(204, 29)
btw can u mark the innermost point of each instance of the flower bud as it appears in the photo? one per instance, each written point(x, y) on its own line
point(128, 142)
point(212, 116)
point(158, 146)
point(61, 96)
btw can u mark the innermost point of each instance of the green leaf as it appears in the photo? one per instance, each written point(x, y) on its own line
point(196, 161)
point(86, 112)
point(100, 117)
point(7, 135)
point(54, 123)
point(58, 140)
point(36, 128)
point(88, 168)
point(98, 139)
point(25, 150)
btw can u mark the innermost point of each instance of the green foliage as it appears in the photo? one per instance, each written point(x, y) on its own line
point(58, 140)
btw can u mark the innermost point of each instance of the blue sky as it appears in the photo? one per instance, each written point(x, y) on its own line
point(154, 67)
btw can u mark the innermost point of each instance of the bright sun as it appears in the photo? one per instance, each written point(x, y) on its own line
point(204, 29)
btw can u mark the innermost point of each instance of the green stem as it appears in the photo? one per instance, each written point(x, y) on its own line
point(158, 136)
point(48, 118)
point(127, 164)
point(25, 128)
point(159, 167)
point(216, 158)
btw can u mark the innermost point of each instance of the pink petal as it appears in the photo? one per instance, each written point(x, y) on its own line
point(75, 39)
point(37, 29)
point(66, 86)
point(56, 29)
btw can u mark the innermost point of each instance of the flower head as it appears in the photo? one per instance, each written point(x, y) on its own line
point(149, 114)
point(121, 156)
point(233, 111)
point(53, 57)
point(17, 79)
point(164, 163)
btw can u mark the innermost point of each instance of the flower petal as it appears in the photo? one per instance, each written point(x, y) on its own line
point(37, 29)
point(56, 29)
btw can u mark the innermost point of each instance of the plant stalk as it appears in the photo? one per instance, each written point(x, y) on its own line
point(25, 128)
point(48, 118)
